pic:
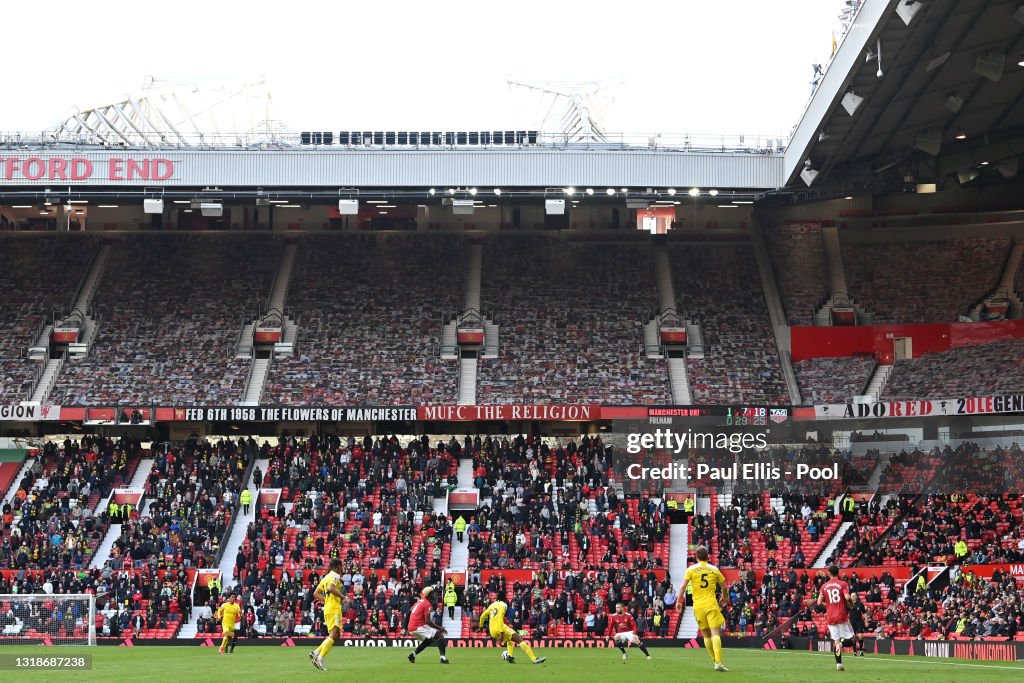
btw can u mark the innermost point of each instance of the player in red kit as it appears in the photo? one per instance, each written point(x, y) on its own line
point(623, 628)
point(424, 630)
point(835, 596)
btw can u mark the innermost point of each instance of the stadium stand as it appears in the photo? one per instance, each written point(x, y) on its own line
point(798, 259)
point(172, 308)
point(911, 282)
point(552, 509)
point(720, 287)
point(129, 604)
point(833, 380)
point(370, 309)
point(54, 520)
point(39, 275)
point(995, 368)
point(371, 503)
point(571, 318)
point(193, 493)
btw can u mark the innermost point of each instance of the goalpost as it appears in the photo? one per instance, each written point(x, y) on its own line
point(48, 619)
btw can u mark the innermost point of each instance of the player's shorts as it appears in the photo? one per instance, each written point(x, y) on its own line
point(228, 629)
point(504, 634)
point(708, 617)
point(627, 636)
point(424, 633)
point(332, 620)
point(841, 631)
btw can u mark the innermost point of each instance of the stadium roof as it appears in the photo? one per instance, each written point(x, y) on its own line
point(942, 94)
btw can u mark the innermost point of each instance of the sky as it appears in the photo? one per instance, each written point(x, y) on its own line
point(710, 67)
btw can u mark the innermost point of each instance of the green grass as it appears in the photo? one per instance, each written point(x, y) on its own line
point(383, 665)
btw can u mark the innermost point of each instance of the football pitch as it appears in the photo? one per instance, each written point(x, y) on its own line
point(471, 665)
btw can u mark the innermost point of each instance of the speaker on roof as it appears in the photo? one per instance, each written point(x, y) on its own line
point(474, 138)
point(367, 137)
point(305, 138)
point(424, 138)
point(328, 137)
point(403, 138)
point(510, 137)
point(435, 138)
point(485, 137)
point(449, 138)
point(348, 207)
point(554, 207)
point(531, 137)
point(318, 138)
point(343, 138)
point(462, 206)
point(496, 137)
point(152, 206)
point(389, 138)
point(461, 138)
point(378, 137)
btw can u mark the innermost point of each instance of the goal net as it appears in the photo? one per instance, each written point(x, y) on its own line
point(44, 619)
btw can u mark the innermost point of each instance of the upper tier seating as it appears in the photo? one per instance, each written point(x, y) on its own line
point(571, 318)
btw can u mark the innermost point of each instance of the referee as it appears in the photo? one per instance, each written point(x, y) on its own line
point(856, 611)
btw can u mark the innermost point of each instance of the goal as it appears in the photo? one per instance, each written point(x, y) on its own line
point(45, 619)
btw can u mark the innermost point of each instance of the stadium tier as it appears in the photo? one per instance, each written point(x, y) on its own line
point(369, 311)
point(571, 319)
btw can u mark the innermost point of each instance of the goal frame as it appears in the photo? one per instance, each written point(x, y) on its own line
point(45, 597)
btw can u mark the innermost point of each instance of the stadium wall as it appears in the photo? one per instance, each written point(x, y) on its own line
point(877, 340)
point(540, 167)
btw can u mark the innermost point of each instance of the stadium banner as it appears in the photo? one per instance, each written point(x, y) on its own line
point(560, 413)
point(105, 168)
point(601, 642)
point(28, 413)
point(287, 414)
point(967, 405)
point(528, 575)
point(987, 649)
point(464, 499)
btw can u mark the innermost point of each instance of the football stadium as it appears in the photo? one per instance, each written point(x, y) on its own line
point(286, 404)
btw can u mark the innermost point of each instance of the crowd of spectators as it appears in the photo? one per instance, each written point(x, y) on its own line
point(52, 520)
point(967, 607)
point(571, 322)
point(993, 368)
point(832, 380)
point(172, 309)
point(370, 312)
point(923, 282)
point(191, 493)
point(128, 604)
point(719, 287)
point(280, 603)
point(797, 251)
point(765, 532)
point(369, 502)
point(970, 608)
point(39, 275)
point(577, 604)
